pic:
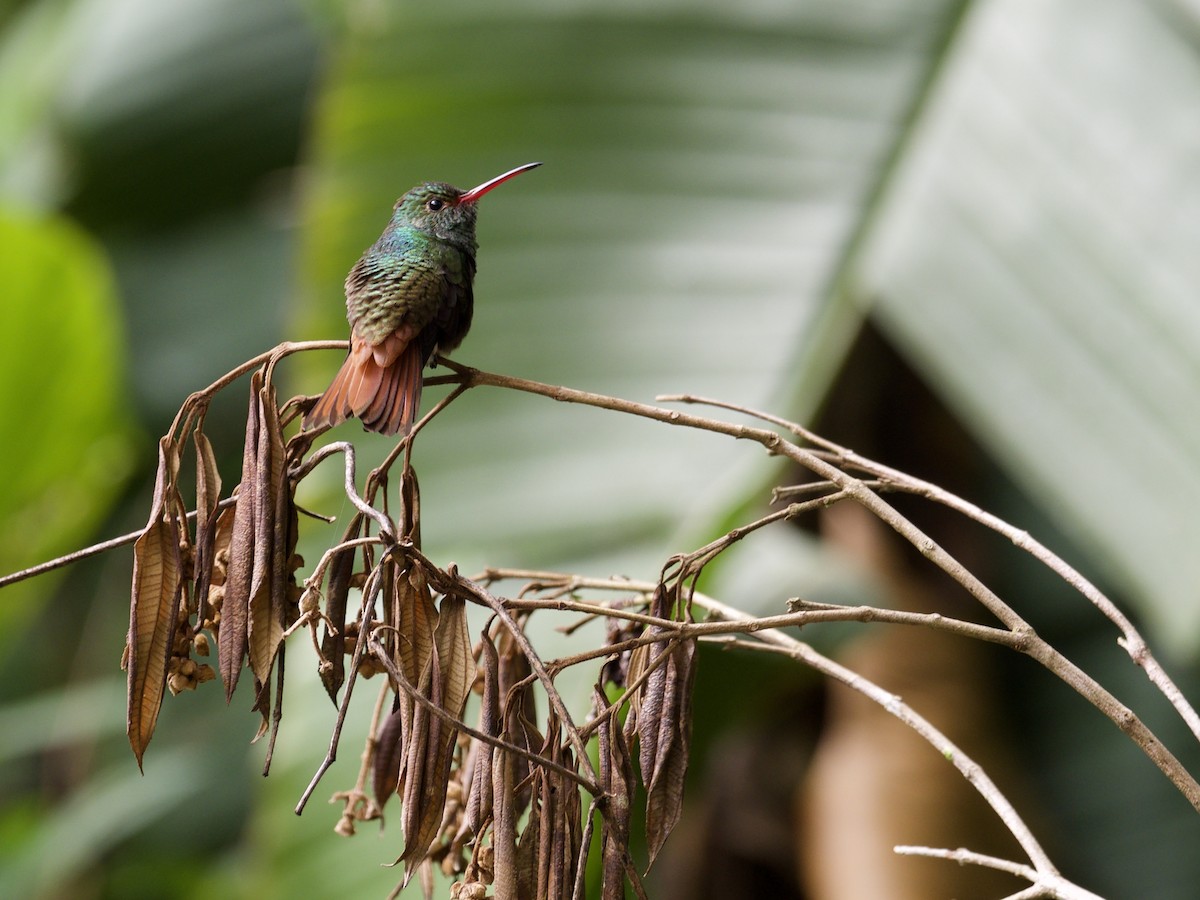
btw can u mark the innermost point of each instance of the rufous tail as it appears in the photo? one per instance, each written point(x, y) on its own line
point(384, 398)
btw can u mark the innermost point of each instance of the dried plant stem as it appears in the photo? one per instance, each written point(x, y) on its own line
point(452, 582)
point(387, 528)
point(534, 759)
point(200, 399)
point(1028, 642)
point(974, 774)
point(358, 794)
point(86, 552)
point(1043, 884)
point(370, 594)
point(892, 479)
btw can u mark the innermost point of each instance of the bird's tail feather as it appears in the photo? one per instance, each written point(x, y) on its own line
point(384, 398)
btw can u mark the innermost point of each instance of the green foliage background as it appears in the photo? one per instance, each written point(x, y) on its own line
point(1007, 188)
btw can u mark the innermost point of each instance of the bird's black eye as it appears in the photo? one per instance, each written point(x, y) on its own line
point(435, 204)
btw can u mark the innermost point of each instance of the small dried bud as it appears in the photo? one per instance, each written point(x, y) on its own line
point(200, 644)
point(178, 683)
point(216, 596)
point(205, 673)
point(468, 890)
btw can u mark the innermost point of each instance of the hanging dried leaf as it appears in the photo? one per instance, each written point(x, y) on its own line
point(529, 843)
point(268, 582)
point(337, 592)
point(519, 710)
point(560, 836)
point(416, 622)
point(453, 643)
point(389, 752)
point(426, 774)
point(479, 782)
point(231, 639)
point(650, 698)
point(670, 735)
point(208, 497)
point(616, 777)
point(410, 503)
point(154, 606)
point(504, 828)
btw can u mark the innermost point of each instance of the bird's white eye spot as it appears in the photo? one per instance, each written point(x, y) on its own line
point(435, 203)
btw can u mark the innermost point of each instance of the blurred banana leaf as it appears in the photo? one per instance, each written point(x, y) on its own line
point(67, 446)
point(704, 169)
point(1035, 257)
point(729, 189)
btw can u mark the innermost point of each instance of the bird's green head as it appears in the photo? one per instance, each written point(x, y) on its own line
point(444, 211)
point(436, 209)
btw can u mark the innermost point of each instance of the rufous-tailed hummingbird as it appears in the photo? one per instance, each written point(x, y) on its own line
point(406, 298)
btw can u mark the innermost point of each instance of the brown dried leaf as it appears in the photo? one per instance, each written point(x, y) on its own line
point(505, 865)
point(389, 752)
point(154, 604)
point(454, 654)
point(529, 845)
point(337, 592)
point(638, 658)
point(208, 497)
point(616, 777)
point(232, 640)
point(650, 697)
point(559, 844)
point(426, 774)
point(410, 501)
point(664, 783)
point(479, 786)
point(268, 582)
point(519, 710)
point(416, 623)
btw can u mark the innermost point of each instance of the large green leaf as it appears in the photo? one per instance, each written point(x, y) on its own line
point(66, 449)
point(704, 168)
point(1036, 257)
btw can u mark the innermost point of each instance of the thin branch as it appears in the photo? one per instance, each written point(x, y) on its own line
point(451, 582)
point(892, 479)
point(1044, 884)
point(774, 444)
point(86, 552)
point(534, 759)
point(777, 642)
point(387, 528)
point(369, 594)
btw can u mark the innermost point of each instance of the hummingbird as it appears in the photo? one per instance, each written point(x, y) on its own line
point(407, 297)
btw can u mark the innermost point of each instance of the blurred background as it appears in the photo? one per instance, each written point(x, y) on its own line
point(958, 236)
